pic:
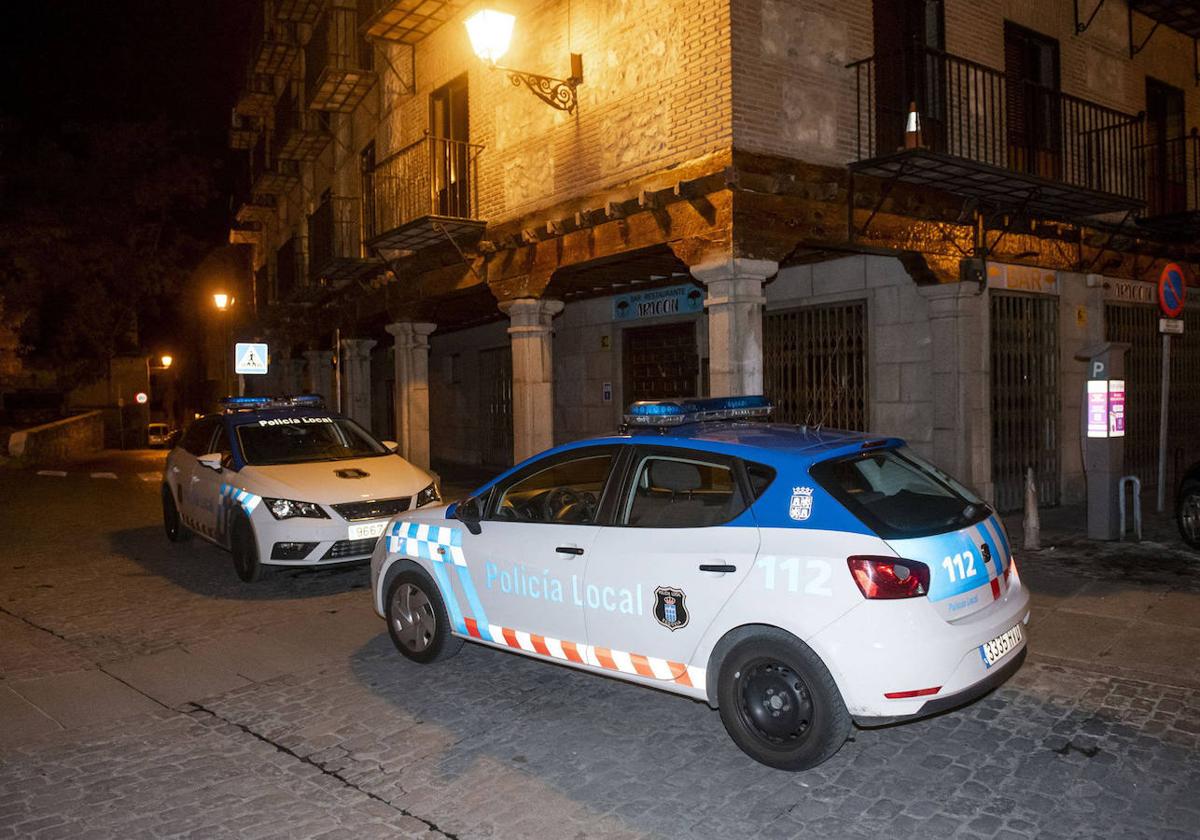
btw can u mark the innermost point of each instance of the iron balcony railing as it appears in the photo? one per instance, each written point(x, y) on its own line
point(300, 134)
point(334, 234)
point(337, 69)
point(270, 175)
point(1172, 175)
point(971, 111)
point(257, 96)
point(431, 177)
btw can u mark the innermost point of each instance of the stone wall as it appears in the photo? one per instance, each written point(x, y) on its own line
point(59, 441)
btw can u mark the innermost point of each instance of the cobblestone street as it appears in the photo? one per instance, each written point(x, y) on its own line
point(144, 691)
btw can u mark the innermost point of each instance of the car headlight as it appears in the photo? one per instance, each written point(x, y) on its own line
point(428, 496)
point(289, 508)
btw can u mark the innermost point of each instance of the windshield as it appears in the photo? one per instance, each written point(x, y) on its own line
point(294, 440)
point(898, 495)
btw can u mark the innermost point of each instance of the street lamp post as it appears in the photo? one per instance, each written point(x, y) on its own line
point(224, 302)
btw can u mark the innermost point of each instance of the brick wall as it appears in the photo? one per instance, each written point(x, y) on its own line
point(792, 95)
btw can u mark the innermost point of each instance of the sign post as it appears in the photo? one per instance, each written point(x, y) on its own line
point(1171, 292)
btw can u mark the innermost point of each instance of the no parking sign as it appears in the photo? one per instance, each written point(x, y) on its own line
point(1171, 290)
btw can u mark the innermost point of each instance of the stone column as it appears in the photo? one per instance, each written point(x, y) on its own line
point(356, 379)
point(320, 373)
point(412, 389)
point(533, 373)
point(961, 375)
point(735, 305)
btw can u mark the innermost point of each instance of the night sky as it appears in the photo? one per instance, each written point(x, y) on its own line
point(125, 59)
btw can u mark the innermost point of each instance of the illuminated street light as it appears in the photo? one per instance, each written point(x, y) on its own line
point(490, 33)
point(222, 301)
point(166, 361)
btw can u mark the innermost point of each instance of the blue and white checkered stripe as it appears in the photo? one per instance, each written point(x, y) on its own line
point(428, 542)
point(442, 546)
point(245, 498)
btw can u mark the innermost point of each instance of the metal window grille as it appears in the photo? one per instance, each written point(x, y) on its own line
point(815, 364)
point(1138, 327)
point(1026, 409)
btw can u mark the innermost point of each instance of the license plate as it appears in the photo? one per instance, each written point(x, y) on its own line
point(1001, 646)
point(367, 530)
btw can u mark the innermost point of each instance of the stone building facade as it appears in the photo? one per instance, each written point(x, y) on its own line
point(907, 217)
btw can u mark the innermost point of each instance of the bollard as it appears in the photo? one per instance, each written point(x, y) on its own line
point(1033, 525)
point(1136, 484)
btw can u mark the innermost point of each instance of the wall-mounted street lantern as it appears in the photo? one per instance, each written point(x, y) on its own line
point(490, 32)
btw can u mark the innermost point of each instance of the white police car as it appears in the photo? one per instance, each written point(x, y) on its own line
point(797, 579)
point(281, 481)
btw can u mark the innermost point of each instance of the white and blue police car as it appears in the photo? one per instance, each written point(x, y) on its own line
point(280, 481)
point(797, 579)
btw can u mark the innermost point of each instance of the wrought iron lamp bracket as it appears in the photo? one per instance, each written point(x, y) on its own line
point(557, 93)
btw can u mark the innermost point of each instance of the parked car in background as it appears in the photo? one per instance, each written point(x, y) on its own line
point(158, 435)
point(280, 481)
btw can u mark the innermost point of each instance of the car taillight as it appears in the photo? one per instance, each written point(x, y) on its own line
point(881, 578)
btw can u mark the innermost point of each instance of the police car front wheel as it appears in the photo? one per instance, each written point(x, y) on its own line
point(245, 552)
point(172, 523)
point(779, 702)
point(417, 619)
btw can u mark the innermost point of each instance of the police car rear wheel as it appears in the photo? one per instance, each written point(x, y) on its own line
point(245, 553)
point(172, 524)
point(779, 703)
point(417, 619)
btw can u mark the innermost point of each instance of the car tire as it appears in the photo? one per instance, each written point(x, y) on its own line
point(417, 620)
point(780, 704)
point(172, 521)
point(1187, 513)
point(244, 549)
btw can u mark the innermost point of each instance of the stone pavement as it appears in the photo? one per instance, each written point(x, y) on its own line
point(145, 692)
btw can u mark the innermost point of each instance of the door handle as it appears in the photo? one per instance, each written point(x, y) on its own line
point(717, 567)
point(569, 549)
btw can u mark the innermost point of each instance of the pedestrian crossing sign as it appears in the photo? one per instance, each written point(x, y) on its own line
point(250, 358)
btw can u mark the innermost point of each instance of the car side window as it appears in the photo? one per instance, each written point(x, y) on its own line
point(221, 444)
point(566, 492)
point(681, 492)
point(199, 434)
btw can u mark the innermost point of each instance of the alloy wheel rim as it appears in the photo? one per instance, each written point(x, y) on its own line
point(775, 703)
point(412, 617)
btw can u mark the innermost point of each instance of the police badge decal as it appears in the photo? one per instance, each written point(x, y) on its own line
point(802, 501)
point(669, 609)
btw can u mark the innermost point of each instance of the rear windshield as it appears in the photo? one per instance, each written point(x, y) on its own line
point(899, 495)
point(294, 440)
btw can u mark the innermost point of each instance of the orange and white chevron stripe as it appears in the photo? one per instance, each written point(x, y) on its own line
point(596, 656)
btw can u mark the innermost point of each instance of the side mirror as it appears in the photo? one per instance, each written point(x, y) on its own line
point(390, 445)
point(470, 512)
point(212, 460)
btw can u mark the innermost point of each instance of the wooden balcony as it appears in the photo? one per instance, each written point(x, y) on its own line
point(300, 134)
point(1010, 145)
point(270, 175)
point(257, 96)
point(338, 71)
point(242, 131)
point(335, 244)
point(405, 21)
point(298, 11)
point(424, 194)
point(277, 52)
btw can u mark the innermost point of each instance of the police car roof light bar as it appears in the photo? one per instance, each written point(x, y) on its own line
point(231, 404)
point(664, 413)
